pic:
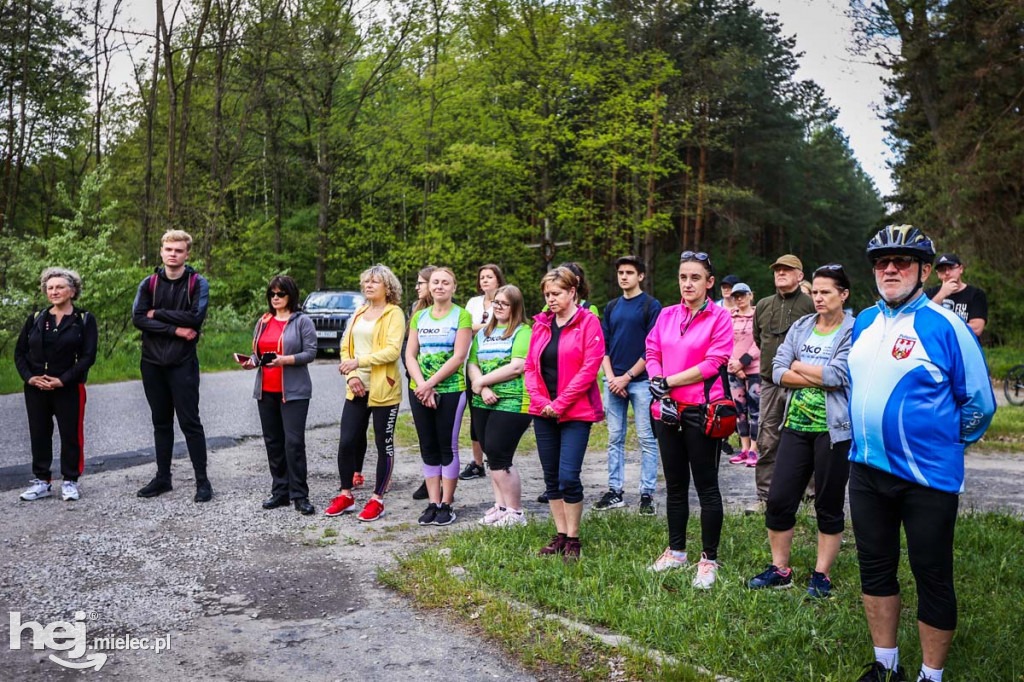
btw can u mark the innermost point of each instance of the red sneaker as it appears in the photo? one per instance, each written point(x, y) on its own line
point(357, 480)
point(339, 505)
point(373, 510)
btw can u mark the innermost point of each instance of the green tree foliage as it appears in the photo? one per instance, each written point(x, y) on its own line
point(318, 137)
point(955, 112)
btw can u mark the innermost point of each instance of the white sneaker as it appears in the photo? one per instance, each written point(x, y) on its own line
point(707, 569)
point(492, 516)
point(37, 489)
point(511, 519)
point(69, 491)
point(667, 561)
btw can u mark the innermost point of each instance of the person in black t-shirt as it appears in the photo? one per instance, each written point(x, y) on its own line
point(968, 302)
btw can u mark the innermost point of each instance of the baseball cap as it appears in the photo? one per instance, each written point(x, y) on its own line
point(948, 259)
point(731, 280)
point(740, 288)
point(788, 260)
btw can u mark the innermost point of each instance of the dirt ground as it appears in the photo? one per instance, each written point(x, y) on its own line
point(248, 594)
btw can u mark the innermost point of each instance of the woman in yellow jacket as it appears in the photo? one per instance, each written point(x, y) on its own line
point(369, 362)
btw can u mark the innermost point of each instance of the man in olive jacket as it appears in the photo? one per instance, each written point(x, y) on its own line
point(773, 317)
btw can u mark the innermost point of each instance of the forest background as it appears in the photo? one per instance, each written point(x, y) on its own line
point(316, 137)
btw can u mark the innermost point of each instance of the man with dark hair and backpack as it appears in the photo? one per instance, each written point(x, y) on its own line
point(626, 323)
point(169, 308)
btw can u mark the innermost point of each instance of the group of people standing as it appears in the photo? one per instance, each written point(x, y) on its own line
point(883, 404)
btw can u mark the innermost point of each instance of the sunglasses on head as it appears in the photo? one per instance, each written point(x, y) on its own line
point(694, 255)
point(278, 294)
point(831, 267)
point(901, 262)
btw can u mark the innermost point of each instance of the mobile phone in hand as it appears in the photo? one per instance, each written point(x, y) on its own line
point(240, 358)
point(267, 358)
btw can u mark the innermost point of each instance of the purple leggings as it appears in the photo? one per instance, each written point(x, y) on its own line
point(438, 431)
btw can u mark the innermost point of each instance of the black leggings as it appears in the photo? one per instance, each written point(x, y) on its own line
point(499, 433)
point(684, 451)
point(438, 431)
point(284, 434)
point(355, 419)
point(879, 504)
point(801, 454)
point(174, 391)
point(67, 405)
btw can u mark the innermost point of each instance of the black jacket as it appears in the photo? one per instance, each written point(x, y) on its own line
point(69, 349)
point(177, 303)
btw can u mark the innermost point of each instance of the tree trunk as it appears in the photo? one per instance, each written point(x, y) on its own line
point(699, 220)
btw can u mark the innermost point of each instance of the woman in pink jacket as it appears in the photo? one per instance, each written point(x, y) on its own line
point(687, 350)
point(566, 350)
point(744, 374)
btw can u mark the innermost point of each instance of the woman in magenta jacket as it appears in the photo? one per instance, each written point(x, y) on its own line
point(566, 350)
point(689, 346)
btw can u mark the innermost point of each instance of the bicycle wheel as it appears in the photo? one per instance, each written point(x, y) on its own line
point(1013, 385)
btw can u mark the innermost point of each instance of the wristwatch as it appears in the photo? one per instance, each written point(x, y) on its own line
point(629, 373)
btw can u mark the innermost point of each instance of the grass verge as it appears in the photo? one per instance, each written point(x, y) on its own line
point(215, 351)
point(1006, 432)
point(729, 630)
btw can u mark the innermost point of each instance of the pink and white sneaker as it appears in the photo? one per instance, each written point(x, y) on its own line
point(751, 458)
point(739, 458)
point(493, 515)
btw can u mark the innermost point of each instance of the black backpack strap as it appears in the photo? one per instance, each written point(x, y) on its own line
point(710, 381)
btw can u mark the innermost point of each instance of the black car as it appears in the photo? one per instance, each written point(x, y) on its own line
point(330, 310)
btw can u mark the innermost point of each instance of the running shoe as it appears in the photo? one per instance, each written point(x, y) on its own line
point(158, 486)
point(755, 508)
point(69, 491)
point(428, 515)
point(340, 505)
point(421, 492)
point(472, 470)
point(751, 458)
point(647, 506)
point(511, 519)
point(610, 500)
point(876, 672)
point(739, 458)
point(373, 510)
point(572, 551)
point(707, 570)
point(492, 516)
point(727, 448)
point(820, 586)
point(37, 489)
point(667, 561)
point(445, 516)
point(772, 577)
point(204, 491)
point(357, 480)
point(555, 546)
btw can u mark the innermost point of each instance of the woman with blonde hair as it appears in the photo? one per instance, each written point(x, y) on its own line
point(500, 405)
point(439, 339)
point(565, 355)
point(369, 362)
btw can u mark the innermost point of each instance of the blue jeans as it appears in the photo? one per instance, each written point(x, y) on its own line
point(616, 412)
point(561, 447)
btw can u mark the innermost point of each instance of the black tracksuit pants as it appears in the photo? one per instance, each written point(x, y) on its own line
point(284, 433)
point(67, 405)
point(174, 390)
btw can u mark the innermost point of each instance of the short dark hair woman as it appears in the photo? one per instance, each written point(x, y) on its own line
point(54, 352)
point(283, 343)
point(816, 434)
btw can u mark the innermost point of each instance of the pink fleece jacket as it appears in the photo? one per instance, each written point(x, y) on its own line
point(580, 352)
point(680, 341)
point(743, 341)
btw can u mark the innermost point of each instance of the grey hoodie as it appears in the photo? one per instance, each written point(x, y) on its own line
point(833, 374)
point(299, 340)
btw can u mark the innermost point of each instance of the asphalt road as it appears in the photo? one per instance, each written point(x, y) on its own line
point(119, 431)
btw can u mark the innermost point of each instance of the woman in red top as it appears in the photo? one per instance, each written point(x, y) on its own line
point(283, 343)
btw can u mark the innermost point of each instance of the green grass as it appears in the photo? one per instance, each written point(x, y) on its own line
point(215, 351)
point(1002, 358)
point(732, 630)
point(1006, 432)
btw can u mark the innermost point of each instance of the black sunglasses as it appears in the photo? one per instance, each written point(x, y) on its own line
point(278, 294)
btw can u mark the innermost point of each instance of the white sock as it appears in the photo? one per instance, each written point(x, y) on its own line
point(679, 555)
point(890, 658)
point(930, 674)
